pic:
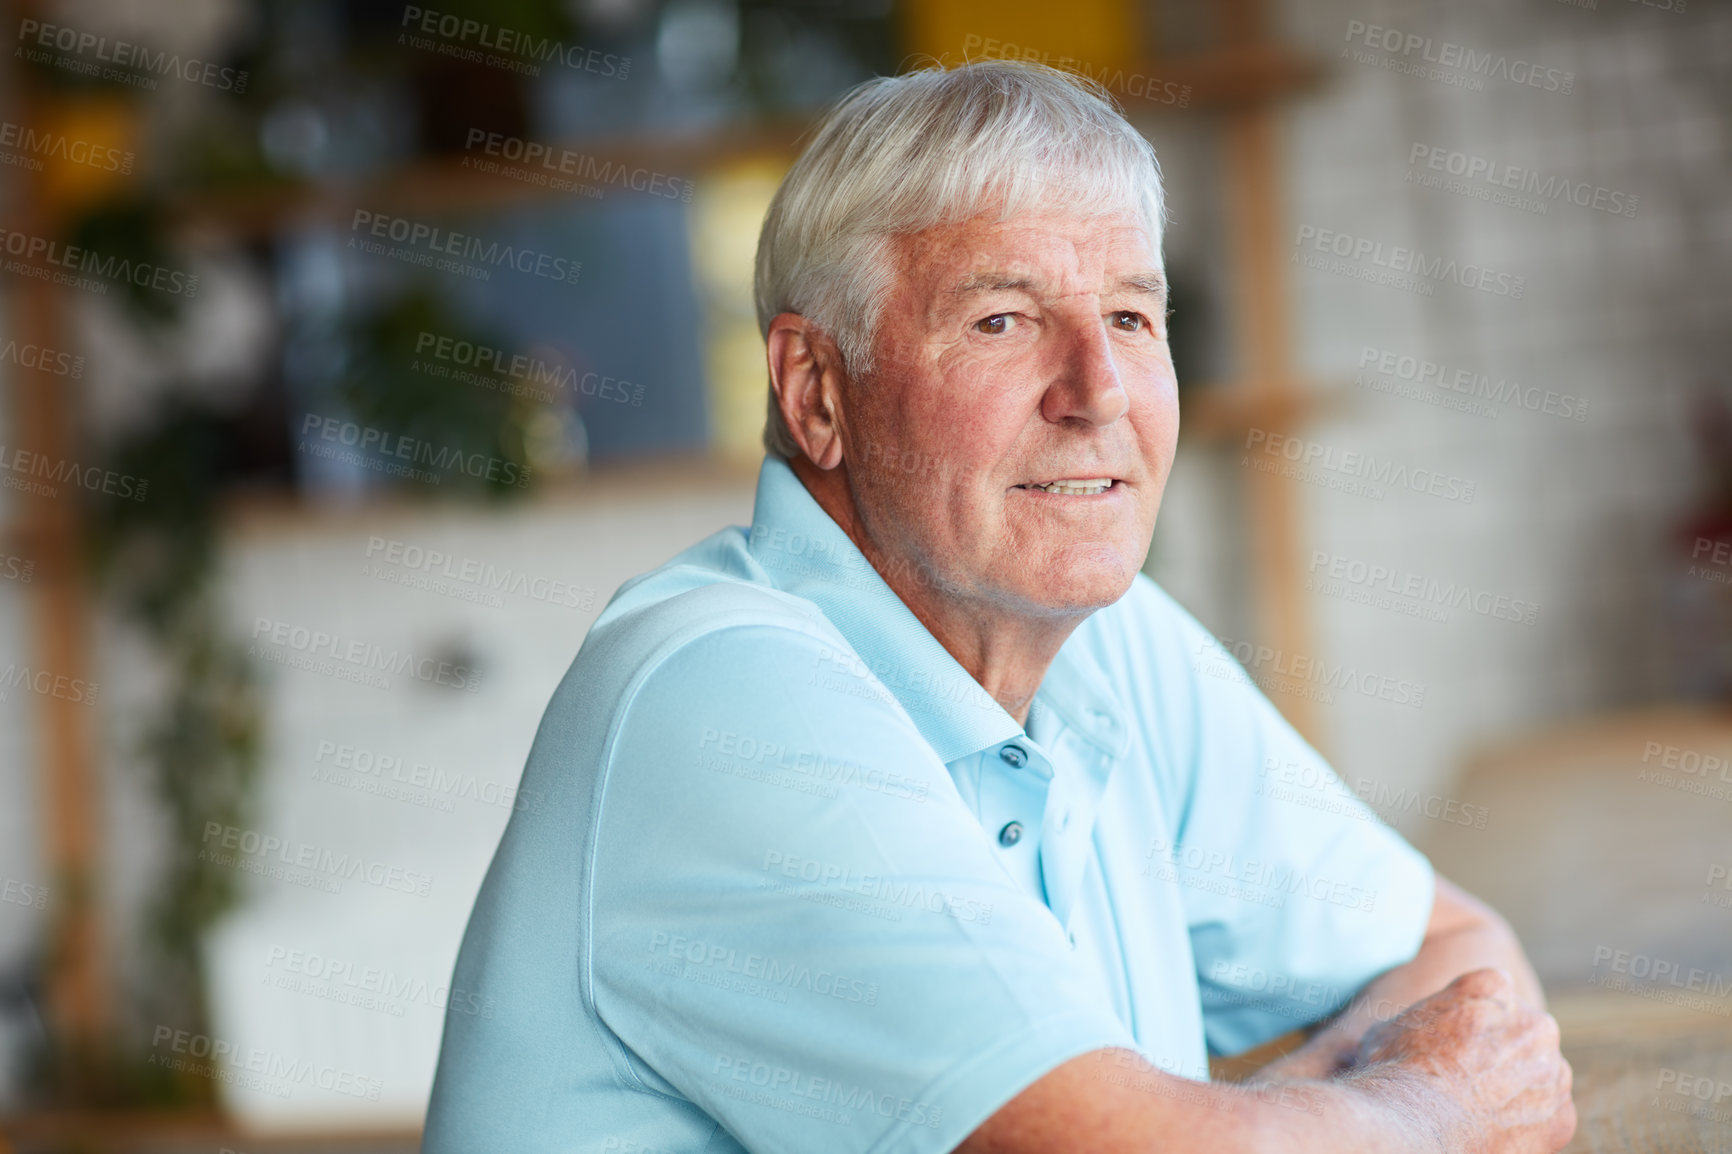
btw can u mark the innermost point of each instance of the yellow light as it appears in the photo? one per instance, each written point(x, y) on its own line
point(1089, 36)
point(726, 213)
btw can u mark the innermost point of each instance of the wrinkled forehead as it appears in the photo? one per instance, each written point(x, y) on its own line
point(1045, 249)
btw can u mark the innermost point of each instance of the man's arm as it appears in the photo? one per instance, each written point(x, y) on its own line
point(1473, 1067)
point(1463, 934)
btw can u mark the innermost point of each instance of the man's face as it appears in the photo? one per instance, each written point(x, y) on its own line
point(1010, 356)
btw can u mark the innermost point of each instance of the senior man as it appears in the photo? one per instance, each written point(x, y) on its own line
point(914, 818)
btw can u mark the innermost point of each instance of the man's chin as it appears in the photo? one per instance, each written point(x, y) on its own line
point(1079, 586)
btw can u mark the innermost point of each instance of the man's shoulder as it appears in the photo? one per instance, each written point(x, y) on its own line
point(711, 606)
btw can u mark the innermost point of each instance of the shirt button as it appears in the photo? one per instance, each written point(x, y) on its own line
point(1010, 834)
point(1013, 756)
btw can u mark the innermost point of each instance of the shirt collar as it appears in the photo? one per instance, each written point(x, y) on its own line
point(1081, 693)
point(808, 555)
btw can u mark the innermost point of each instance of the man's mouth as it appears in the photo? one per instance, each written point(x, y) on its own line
point(1073, 487)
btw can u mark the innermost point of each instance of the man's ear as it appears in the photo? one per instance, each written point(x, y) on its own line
point(806, 372)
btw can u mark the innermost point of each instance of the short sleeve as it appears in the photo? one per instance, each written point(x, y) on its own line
point(797, 925)
point(1296, 893)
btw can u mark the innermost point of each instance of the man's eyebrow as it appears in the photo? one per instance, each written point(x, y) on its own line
point(1145, 282)
point(989, 282)
point(985, 282)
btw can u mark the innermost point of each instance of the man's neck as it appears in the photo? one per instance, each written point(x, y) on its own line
point(1007, 653)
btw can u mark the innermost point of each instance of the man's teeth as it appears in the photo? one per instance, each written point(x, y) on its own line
point(1077, 488)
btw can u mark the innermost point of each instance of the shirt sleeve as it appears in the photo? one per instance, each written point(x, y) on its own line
point(797, 925)
point(1296, 893)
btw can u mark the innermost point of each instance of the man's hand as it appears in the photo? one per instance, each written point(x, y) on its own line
point(1463, 934)
point(1487, 1061)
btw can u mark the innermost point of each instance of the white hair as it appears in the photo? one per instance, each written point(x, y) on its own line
point(900, 154)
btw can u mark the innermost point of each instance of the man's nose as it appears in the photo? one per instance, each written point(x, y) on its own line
point(1087, 386)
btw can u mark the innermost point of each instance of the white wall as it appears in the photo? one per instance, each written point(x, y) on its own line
point(1627, 312)
point(354, 982)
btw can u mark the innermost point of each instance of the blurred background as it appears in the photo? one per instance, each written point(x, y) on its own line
point(354, 352)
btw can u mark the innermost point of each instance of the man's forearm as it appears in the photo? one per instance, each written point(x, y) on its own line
point(1440, 960)
point(1381, 1110)
point(1116, 1102)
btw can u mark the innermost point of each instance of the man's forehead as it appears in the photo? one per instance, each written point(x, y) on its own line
point(1150, 280)
point(1034, 252)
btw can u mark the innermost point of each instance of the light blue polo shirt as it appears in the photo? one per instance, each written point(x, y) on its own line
point(797, 884)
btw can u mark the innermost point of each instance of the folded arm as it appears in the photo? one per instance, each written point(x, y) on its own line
point(1471, 1064)
point(1463, 934)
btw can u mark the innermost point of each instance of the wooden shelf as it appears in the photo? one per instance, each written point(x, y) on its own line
point(284, 511)
point(447, 184)
point(1218, 81)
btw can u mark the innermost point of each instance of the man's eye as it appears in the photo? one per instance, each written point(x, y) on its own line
point(1128, 321)
point(993, 325)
